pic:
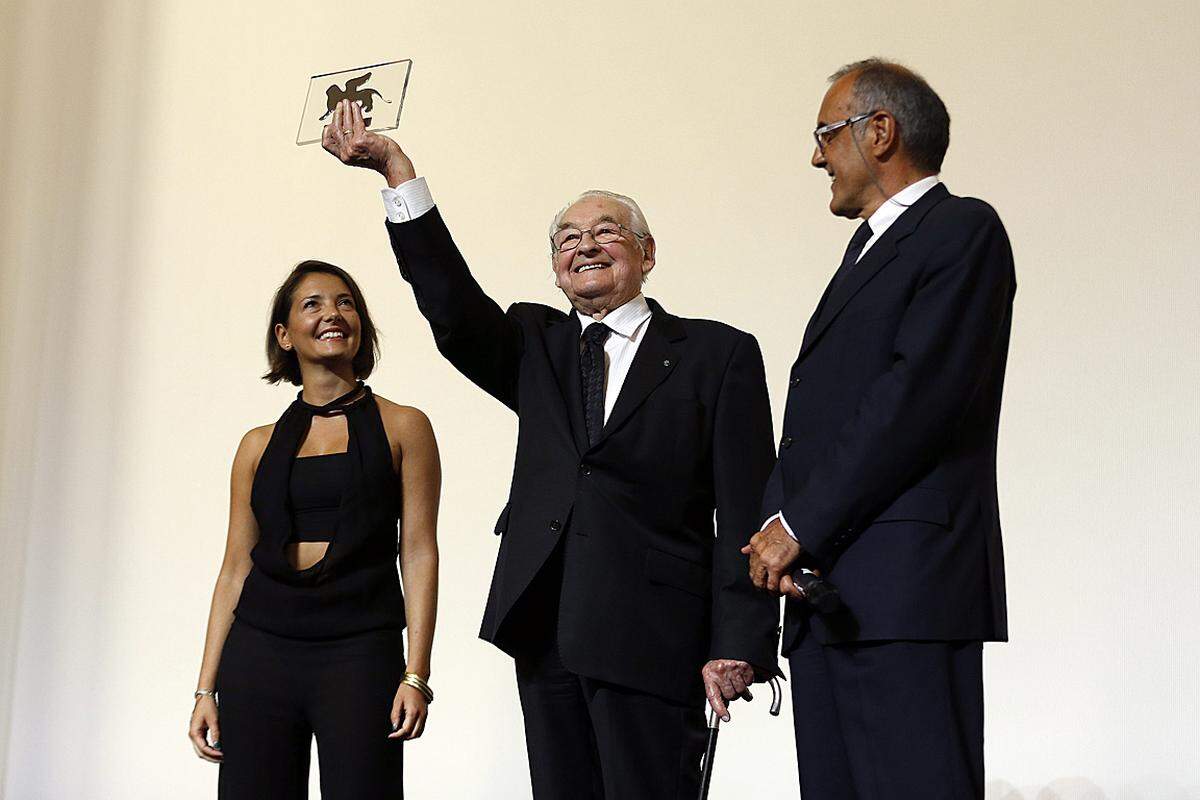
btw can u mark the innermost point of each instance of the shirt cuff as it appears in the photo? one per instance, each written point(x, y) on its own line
point(407, 201)
point(782, 521)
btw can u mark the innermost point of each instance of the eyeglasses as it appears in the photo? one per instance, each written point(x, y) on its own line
point(567, 239)
point(825, 133)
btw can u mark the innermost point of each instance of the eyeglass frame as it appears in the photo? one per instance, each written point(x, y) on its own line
point(834, 127)
point(582, 231)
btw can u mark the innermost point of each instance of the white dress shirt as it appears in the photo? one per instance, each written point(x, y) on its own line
point(880, 221)
point(628, 325)
point(412, 198)
point(893, 207)
point(407, 201)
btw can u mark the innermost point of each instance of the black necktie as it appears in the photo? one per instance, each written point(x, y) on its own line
point(591, 369)
point(853, 250)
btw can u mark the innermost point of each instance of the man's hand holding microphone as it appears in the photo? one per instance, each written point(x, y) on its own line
point(776, 566)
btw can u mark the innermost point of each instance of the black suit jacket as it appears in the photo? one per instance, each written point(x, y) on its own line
point(887, 462)
point(649, 595)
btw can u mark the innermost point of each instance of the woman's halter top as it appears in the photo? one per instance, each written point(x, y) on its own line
point(315, 491)
point(355, 587)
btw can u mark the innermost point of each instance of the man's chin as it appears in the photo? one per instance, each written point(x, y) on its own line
point(839, 210)
point(593, 297)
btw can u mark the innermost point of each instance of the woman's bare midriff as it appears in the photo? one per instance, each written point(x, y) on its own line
point(303, 555)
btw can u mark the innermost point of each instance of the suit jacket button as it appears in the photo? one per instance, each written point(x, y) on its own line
point(555, 525)
point(585, 469)
point(796, 380)
point(785, 442)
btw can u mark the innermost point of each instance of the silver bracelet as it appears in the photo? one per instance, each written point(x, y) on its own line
point(205, 693)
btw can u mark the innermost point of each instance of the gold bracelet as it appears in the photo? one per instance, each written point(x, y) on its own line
point(414, 680)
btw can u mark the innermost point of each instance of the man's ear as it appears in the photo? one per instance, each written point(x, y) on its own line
point(884, 135)
point(649, 248)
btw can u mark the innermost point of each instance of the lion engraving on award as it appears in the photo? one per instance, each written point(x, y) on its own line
point(355, 94)
point(388, 84)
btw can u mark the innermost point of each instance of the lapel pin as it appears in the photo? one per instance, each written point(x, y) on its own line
point(667, 363)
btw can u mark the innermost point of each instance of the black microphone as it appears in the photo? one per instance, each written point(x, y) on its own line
point(816, 591)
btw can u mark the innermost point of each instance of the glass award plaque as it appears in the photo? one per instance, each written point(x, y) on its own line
point(380, 88)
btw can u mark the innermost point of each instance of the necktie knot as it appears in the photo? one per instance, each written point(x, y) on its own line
point(857, 242)
point(596, 333)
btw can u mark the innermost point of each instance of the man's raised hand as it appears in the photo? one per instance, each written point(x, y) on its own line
point(346, 138)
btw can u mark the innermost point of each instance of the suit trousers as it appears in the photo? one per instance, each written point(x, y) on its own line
point(888, 720)
point(589, 739)
point(275, 693)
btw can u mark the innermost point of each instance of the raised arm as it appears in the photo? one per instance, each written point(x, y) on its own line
point(470, 329)
point(240, 540)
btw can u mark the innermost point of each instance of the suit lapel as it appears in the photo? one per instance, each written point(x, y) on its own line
point(880, 254)
point(562, 345)
point(656, 358)
point(811, 329)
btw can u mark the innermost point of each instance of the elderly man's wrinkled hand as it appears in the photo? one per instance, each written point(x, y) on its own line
point(725, 679)
point(346, 138)
point(772, 553)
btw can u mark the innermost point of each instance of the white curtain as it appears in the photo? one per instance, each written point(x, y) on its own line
point(72, 78)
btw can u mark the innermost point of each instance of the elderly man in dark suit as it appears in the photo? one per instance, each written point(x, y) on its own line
point(613, 588)
point(886, 477)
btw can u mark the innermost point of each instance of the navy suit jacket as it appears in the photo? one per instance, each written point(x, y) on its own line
point(887, 461)
point(653, 514)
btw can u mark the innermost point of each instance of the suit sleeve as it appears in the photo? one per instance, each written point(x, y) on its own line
point(947, 342)
point(772, 495)
point(744, 619)
point(470, 329)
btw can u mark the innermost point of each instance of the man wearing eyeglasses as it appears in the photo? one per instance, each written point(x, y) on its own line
point(621, 600)
point(886, 478)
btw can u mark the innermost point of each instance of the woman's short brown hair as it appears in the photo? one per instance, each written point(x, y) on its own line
point(284, 365)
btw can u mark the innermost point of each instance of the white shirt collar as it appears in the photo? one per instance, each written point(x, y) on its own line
point(898, 203)
point(623, 320)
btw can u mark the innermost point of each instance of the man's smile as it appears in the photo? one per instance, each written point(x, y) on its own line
point(589, 267)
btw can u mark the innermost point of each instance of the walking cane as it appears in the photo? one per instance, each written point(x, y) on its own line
point(714, 728)
point(825, 599)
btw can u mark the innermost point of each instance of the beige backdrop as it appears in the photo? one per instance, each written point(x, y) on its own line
point(153, 199)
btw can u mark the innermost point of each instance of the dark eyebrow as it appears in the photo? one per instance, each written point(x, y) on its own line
point(317, 296)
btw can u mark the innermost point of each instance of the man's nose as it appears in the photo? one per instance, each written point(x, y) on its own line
point(818, 158)
point(584, 247)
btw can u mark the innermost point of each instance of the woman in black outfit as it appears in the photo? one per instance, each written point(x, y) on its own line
point(304, 634)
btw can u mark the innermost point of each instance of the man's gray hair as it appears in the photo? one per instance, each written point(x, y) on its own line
point(921, 116)
point(637, 220)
